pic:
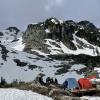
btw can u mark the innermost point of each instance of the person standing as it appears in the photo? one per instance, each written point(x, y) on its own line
point(56, 81)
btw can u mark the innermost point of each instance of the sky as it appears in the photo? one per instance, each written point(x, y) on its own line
point(20, 13)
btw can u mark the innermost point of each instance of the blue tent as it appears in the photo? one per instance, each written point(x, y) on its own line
point(70, 83)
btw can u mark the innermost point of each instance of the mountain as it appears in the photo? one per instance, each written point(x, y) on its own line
point(53, 37)
point(55, 48)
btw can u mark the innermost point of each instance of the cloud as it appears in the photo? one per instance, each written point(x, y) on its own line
point(20, 13)
point(52, 3)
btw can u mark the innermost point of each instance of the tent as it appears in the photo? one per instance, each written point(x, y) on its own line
point(70, 83)
point(85, 83)
point(91, 77)
point(93, 73)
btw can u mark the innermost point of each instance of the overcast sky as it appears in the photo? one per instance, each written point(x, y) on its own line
point(22, 12)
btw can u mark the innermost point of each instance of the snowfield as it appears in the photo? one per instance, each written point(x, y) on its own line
point(90, 98)
point(15, 94)
point(19, 45)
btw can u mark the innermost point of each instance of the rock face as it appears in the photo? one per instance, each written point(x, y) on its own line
point(34, 37)
point(89, 32)
point(39, 36)
point(36, 34)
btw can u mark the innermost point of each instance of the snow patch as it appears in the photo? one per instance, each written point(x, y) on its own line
point(54, 21)
point(98, 70)
point(34, 23)
point(90, 98)
point(15, 94)
point(47, 31)
point(81, 27)
point(77, 67)
point(53, 49)
point(39, 52)
point(19, 46)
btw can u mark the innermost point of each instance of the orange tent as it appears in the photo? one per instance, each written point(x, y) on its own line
point(84, 83)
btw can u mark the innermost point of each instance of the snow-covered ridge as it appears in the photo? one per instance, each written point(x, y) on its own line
point(61, 48)
point(15, 94)
point(15, 41)
point(63, 37)
point(93, 51)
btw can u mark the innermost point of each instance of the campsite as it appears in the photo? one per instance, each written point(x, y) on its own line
point(71, 88)
point(87, 86)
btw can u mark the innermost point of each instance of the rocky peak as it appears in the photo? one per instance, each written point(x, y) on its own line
point(37, 35)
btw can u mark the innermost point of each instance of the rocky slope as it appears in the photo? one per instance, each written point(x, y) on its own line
point(56, 48)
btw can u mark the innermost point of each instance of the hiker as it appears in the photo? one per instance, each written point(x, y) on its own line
point(65, 85)
point(56, 81)
point(41, 80)
point(51, 81)
point(48, 80)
